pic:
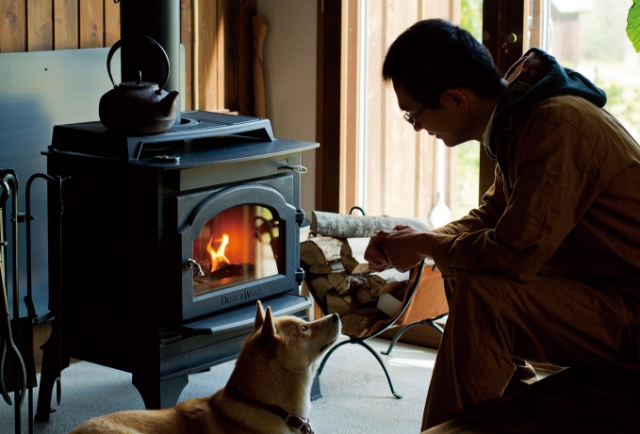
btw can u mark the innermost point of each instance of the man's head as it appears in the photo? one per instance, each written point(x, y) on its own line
point(434, 55)
point(445, 80)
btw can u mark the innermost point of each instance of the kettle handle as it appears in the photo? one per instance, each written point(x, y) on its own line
point(119, 43)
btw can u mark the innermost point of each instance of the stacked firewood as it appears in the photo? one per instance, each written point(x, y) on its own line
point(338, 276)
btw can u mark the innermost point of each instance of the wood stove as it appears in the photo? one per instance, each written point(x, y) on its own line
point(164, 244)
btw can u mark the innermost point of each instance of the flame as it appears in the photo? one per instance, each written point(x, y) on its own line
point(217, 256)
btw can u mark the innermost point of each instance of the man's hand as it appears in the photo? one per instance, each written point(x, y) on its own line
point(401, 248)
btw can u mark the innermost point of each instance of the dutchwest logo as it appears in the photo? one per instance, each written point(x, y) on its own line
point(247, 295)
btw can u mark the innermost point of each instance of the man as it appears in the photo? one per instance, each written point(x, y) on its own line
point(548, 267)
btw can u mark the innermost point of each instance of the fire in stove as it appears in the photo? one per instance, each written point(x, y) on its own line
point(238, 245)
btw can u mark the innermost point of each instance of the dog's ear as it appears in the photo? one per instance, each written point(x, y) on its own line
point(259, 316)
point(268, 328)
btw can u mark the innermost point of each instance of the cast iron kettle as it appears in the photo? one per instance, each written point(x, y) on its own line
point(140, 107)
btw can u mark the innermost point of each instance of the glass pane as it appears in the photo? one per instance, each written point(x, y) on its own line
point(468, 158)
point(589, 36)
point(404, 173)
point(238, 245)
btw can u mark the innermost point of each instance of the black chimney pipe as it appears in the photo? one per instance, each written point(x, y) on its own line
point(160, 20)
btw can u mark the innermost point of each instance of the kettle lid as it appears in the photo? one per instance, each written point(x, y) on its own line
point(137, 85)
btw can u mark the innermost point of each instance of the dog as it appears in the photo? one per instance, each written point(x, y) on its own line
point(268, 391)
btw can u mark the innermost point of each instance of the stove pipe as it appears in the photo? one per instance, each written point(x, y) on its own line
point(159, 19)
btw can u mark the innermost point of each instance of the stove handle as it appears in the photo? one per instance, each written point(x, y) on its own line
point(297, 168)
point(191, 264)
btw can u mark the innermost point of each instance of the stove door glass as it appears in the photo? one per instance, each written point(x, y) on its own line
point(238, 245)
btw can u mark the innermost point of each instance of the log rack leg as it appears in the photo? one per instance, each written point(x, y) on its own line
point(384, 367)
point(431, 322)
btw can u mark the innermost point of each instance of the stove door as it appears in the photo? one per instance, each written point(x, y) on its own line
point(238, 245)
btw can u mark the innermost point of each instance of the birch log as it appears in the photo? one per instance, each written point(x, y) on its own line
point(356, 226)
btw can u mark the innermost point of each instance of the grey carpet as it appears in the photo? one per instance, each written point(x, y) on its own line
point(356, 398)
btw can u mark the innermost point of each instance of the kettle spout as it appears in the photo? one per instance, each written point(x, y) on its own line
point(167, 105)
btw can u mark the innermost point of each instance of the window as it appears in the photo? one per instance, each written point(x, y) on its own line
point(375, 161)
point(590, 37)
point(392, 169)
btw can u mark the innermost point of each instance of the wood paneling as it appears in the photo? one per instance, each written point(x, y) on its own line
point(207, 70)
point(91, 24)
point(111, 23)
point(328, 106)
point(186, 38)
point(39, 25)
point(349, 167)
point(244, 51)
point(65, 24)
point(225, 78)
point(220, 43)
point(13, 26)
point(500, 18)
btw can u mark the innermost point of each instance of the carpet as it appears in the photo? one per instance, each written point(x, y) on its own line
point(356, 398)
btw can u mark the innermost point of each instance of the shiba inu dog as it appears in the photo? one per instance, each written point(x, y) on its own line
point(268, 391)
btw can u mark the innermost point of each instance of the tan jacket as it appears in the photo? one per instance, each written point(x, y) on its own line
point(565, 200)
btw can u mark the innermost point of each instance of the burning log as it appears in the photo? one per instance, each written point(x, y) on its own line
point(231, 270)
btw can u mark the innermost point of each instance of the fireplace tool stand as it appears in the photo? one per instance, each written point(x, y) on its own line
point(17, 366)
point(13, 372)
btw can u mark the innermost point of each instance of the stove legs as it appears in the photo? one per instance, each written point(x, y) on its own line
point(160, 392)
point(53, 362)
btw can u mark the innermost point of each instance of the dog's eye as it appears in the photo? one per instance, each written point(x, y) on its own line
point(304, 328)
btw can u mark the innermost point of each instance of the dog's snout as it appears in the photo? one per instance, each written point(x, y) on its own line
point(335, 317)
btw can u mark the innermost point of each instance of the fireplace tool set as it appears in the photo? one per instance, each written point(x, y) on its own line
point(17, 370)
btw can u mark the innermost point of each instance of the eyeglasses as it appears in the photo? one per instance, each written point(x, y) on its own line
point(413, 118)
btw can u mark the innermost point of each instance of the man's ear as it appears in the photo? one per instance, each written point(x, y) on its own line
point(456, 99)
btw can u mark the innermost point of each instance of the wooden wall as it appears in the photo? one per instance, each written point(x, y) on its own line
point(224, 40)
point(36, 25)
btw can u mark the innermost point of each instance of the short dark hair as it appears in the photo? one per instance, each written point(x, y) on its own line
point(434, 55)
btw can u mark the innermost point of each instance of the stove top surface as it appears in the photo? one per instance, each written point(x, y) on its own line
point(219, 136)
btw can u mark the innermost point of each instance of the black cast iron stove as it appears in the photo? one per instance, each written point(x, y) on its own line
point(164, 244)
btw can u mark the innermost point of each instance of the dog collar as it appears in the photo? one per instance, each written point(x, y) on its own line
point(297, 422)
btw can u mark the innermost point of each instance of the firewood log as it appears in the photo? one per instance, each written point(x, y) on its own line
point(339, 282)
point(341, 304)
point(319, 250)
point(318, 286)
point(322, 255)
point(378, 281)
point(352, 255)
point(364, 295)
point(329, 268)
point(358, 323)
point(356, 226)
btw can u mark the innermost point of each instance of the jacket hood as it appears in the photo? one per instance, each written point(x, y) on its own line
point(537, 76)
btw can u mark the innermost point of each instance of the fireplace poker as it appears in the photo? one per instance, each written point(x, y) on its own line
point(33, 315)
point(9, 177)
